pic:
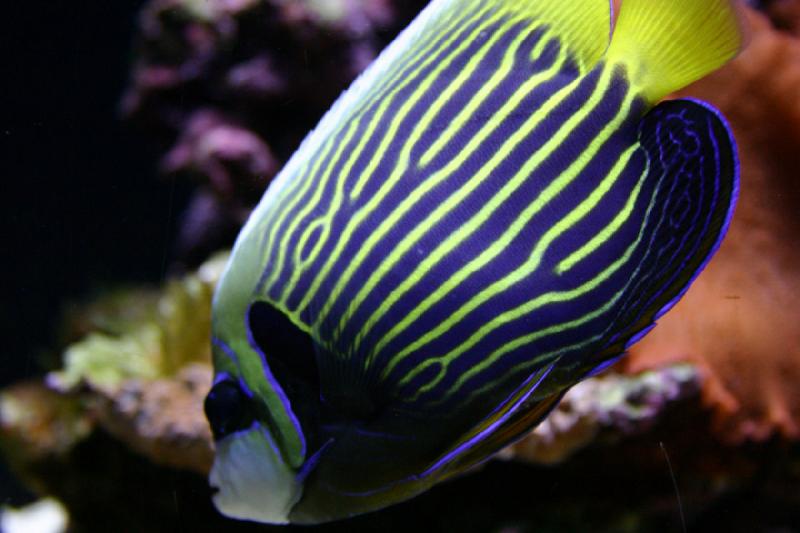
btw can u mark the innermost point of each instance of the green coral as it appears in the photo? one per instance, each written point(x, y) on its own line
point(164, 335)
point(208, 11)
point(328, 10)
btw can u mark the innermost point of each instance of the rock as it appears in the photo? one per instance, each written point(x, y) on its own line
point(609, 407)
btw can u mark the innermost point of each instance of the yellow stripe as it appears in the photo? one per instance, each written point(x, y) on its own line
point(527, 339)
point(468, 112)
point(401, 71)
point(422, 89)
point(540, 301)
point(455, 164)
point(299, 218)
point(365, 211)
point(388, 223)
point(335, 204)
point(284, 212)
point(514, 229)
point(598, 240)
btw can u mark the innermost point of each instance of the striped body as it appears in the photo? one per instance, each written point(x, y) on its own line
point(461, 243)
point(485, 218)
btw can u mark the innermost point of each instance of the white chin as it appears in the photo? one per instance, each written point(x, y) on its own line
point(253, 481)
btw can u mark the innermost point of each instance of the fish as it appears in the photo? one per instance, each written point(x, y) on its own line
point(496, 209)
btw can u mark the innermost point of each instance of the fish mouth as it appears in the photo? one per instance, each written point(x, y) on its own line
point(249, 479)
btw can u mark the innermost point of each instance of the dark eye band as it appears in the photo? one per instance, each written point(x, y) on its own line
point(228, 409)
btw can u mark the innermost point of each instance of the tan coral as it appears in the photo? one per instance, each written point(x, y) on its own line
point(740, 321)
point(163, 419)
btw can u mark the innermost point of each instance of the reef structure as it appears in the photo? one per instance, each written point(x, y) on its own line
point(739, 323)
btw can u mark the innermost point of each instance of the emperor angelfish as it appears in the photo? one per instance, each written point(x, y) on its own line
point(497, 208)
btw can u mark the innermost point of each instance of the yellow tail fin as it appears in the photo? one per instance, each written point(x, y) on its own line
point(667, 44)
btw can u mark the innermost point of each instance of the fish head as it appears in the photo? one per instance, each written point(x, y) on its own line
point(260, 445)
point(294, 449)
point(299, 440)
point(250, 476)
point(285, 452)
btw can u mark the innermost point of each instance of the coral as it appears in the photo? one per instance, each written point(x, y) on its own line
point(141, 376)
point(160, 335)
point(163, 419)
point(129, 399)
point(611, 405)
point(37, 423)
point(232, 87)
point(785, 14)
point(624, 438)
point(739, 321)
point(233, 162)
point(231, 158)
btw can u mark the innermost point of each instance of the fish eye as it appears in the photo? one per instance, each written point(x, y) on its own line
point(227, 408)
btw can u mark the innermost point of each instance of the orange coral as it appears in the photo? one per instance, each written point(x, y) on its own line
point(740, 322)
point(785, 14)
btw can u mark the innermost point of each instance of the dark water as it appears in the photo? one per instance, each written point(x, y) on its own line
point(81, 206)
point(80, 194)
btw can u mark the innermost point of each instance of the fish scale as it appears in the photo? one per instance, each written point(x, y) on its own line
point(494, 211)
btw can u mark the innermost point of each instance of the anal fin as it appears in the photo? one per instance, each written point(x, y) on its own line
point(517, 426)
point(667, 44)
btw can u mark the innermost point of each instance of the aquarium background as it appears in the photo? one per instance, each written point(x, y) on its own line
point(82, 204)
point(81, 194)
point(106, 193)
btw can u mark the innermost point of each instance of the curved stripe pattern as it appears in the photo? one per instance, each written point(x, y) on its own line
point(486, 209)
point(493, 211)
point(485, 116)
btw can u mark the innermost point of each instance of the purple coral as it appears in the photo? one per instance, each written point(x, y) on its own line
point(231, 87)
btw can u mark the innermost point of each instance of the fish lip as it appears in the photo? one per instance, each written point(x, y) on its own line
point(249, 479)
